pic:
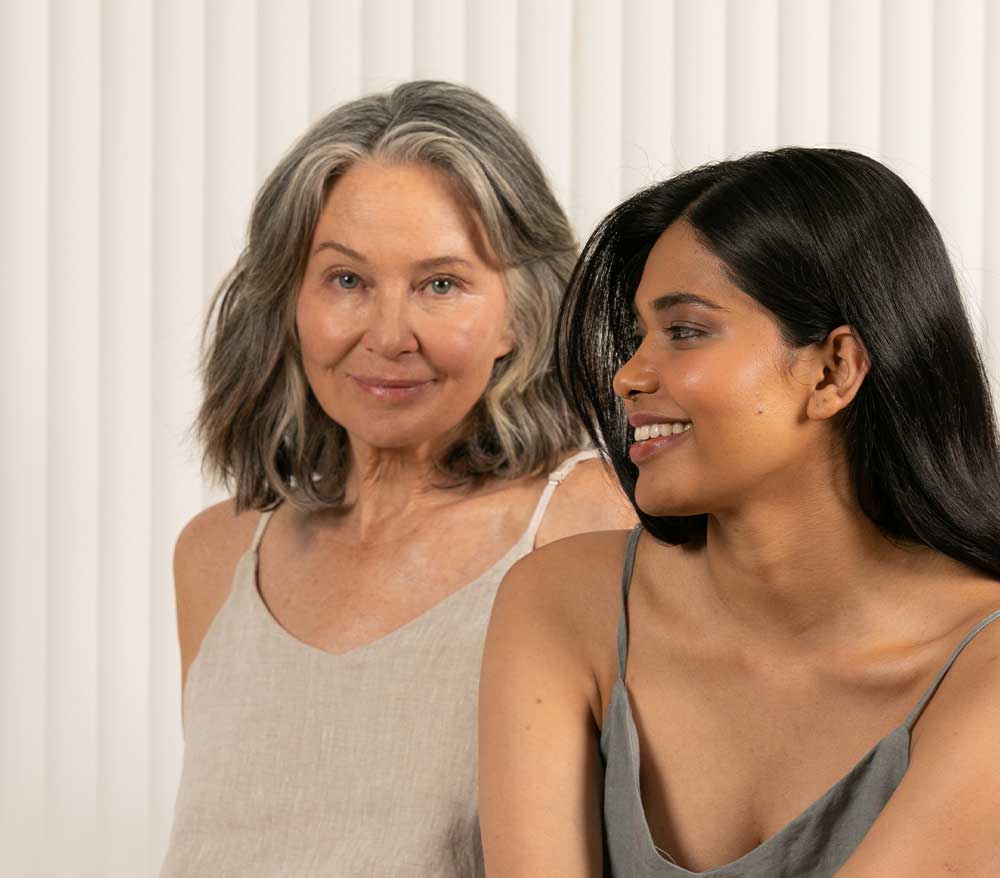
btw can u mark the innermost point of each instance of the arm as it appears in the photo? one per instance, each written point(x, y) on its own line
point(205, 558)
point(943, 821)
point(589, 499)
point(540, 772)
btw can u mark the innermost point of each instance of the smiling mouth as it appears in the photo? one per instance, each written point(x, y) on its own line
point(391, 388)
point(655, 431)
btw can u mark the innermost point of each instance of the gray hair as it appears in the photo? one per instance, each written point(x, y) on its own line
point(263, 432)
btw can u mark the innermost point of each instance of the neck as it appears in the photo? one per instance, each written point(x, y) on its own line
point(387, 486)
point(808, 567)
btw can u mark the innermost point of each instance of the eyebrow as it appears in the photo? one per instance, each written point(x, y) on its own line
point(668, 300)
point(347, 251)
point(433, 262)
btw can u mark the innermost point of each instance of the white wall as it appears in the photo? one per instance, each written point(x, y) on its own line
point(134, 135)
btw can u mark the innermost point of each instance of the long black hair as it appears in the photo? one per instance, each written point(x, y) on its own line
point(821, 238)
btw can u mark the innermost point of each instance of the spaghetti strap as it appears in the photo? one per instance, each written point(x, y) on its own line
point(627, 565)
point(915, 713)
point(258, 535)
point(555, 477)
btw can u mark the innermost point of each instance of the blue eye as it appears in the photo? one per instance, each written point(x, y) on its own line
point(346, 280)
point(441, 285)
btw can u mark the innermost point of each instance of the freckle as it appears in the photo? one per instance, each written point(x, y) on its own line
point(538, 701)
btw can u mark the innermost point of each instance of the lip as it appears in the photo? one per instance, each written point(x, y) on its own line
point(644, 419)
point(390, 388)
point(640, 452)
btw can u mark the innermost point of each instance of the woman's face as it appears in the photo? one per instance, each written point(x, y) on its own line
point(402, 309)
point(713, 371)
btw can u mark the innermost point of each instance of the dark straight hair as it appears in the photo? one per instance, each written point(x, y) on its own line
point(820, 238)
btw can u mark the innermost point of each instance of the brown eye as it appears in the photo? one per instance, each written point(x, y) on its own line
point(683, 333)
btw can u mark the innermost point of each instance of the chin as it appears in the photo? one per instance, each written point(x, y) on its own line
point(665, 504)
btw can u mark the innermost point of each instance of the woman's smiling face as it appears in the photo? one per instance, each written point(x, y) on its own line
point(713, 371)
point(402, 309)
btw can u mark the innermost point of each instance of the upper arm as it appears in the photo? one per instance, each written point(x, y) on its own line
point(943, 819)
point(539, 759)
point(205, 558)
point(589, 499)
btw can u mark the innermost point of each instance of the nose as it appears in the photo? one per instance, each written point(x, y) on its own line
point(390, 330)
point(634, 377)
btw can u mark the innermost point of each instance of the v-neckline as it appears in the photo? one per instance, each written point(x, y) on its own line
point(620, 691)
point(252, 560)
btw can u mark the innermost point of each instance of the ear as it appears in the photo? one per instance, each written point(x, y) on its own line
point(505, 344)
point(844, 362)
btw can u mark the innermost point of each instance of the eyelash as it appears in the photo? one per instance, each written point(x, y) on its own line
point(335, 276)
point(670, 332)
point(692, 333)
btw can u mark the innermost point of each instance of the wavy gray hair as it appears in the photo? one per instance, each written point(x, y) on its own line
point(263, 432)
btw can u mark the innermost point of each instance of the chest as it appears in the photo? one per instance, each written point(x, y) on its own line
point(339, 594)
point(727, 756)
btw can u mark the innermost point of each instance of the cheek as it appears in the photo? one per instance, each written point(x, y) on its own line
point(324, 339)
point(744, 395)
point(457, 350)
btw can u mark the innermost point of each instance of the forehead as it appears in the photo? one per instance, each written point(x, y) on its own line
point(680, 263)
point(381, 208)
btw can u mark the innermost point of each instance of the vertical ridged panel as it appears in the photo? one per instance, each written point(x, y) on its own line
point(334, 53)
point(647, 69)
point(74, 404)
point(597, 111)
point(24, 66)
point(856, 76)
point(803, 72)
point(439, 39)
point(751, 75)
point(544, 87)
point(699, 82)
point(178, 300)
point(386, 43)
point(491, 52)
point(230, 143)
point(125, 498)
point(991, 196)
point(957, 187)
point(284, 76)
point(907, 92)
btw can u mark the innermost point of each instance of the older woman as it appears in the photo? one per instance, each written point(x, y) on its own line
point(379, 395)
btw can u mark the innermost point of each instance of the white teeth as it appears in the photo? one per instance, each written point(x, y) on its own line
point(654, 431)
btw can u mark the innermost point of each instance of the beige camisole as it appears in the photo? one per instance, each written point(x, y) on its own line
point(299, 762)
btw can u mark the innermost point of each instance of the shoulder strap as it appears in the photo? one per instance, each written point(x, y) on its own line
point(915, 713)
point(555, 477)
point(627, 565)
point(265, 517)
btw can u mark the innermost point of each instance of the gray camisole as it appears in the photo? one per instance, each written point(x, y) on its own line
point(299, 762)
point(813, 845)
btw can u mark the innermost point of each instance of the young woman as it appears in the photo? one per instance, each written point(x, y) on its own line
point(791, 669)
point(378, 393)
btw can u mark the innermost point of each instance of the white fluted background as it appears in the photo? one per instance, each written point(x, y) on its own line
point(134, 136)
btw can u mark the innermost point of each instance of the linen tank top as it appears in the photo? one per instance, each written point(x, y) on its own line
point(300, 762)
point(813, 845)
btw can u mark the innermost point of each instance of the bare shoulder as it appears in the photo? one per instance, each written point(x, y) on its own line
point(566, 595)
point(588, 499)
point(951, 789)
point(205, 557)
